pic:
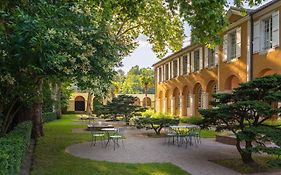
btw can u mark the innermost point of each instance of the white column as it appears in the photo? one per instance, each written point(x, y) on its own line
point(165, 105)
point(181, 106)
point(192, 104)
point(173, 105)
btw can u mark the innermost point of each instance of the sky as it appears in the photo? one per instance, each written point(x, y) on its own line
point(144, 57)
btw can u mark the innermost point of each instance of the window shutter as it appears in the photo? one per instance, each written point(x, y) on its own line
point(206, 57)
point(216, 55)
point(179, 69)
point(238, 42)
point(275, 29)
point(192, 61)
point(201, 58)
point(188, 63)
point(163, 73)
point(256, 39)
point(225, 47)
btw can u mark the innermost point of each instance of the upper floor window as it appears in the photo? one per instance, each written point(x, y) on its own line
point(166, 71)
point(160, 74)
point(175, 68)
point(196, 60)
point(210, 57)
point(184, 62)
point(232, 44)
point(266, 32)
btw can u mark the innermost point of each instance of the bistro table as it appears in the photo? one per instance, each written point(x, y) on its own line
point(108, 130)
point(183, 131)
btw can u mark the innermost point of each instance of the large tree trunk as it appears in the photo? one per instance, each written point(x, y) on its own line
point(246, 155)
point(58, 95)
point(89, 103)
point(37, 111)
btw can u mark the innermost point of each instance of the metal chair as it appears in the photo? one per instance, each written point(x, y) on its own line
point(116, 136)
point(96, 135)
point(170, 134)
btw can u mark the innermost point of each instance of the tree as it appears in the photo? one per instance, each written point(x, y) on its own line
point(246, 113)
point(48, 39)
point(147, 80)
point(157, 121)
point(206, 18)
point(124, 105)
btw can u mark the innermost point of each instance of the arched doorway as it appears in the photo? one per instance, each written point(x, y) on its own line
point(176, 96)
point(212, 88)
point(146, 102)
point(266, 72)
point(79, 103)
point(198, 98)
point(231, 83)
point(137, 101)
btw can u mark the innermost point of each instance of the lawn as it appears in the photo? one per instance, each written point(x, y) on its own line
point(50, 157)
point(239, 166)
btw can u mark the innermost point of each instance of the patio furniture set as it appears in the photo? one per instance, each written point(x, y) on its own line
point(107, 134)
point(183, 134)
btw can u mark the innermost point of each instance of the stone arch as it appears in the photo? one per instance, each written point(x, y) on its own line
point(176, 100)
point(168, 101)
point(186, 100)
point(212, 88)
point(79, 103)
point(198, 98)
point(137, 101)
point(265, 72)
point(146, 102)
point(231, 83)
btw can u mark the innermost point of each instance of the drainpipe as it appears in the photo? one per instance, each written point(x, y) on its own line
point(251, 47)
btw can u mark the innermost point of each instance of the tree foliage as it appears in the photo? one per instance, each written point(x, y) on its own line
point(139, 81)
point(157, 121)
point(124, 105)
point(246, 112)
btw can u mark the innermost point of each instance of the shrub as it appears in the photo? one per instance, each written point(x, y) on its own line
point(13, 148)
point(195, 120)
point(157, 121)
point(49, 116)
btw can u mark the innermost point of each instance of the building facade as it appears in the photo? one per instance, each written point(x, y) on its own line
point(187, 79)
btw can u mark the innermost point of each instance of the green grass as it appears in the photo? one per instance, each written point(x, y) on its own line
point(208, 133)
point(239, 166)
point(50, 157)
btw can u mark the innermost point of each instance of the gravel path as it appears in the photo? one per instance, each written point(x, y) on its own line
point(141, 149)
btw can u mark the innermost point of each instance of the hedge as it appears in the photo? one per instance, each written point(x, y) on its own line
point(13, 148)
point(195, 120)
point(49, 116)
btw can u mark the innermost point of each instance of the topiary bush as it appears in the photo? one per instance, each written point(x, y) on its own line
point(13, 148)
point(157, 121)
point(195, 120)
point(49, 116)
